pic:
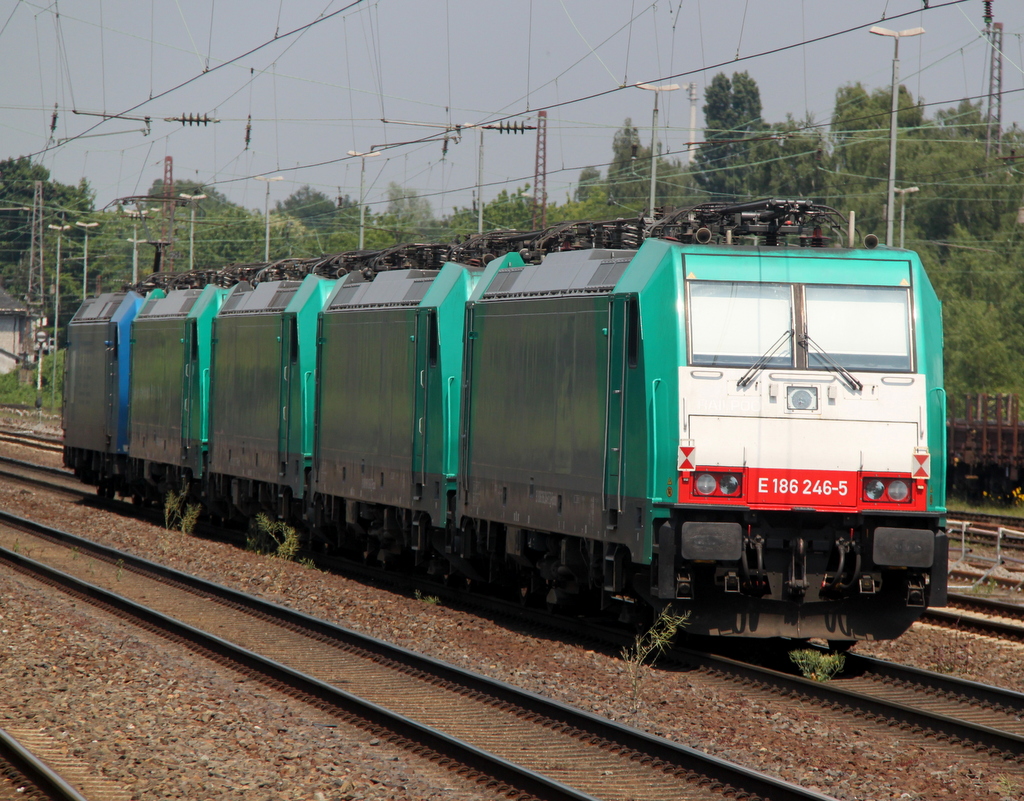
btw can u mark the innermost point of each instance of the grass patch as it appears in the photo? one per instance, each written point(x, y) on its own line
point(427, 599)
point(19, 386)
point(817, 665)
point(647, 647)
point(273, 537)
point(179, 513)
point(986, 507)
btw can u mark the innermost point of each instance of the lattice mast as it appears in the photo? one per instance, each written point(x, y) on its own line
point(35, 254)
point(540, 174)
point(994, 115)
point(165, 247)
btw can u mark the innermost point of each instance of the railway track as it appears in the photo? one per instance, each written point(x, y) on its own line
point(23, 775)
point(28, 439)
point(963, 713)
point(992, 618)
point(516, 741)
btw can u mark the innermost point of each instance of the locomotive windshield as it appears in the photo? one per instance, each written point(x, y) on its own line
point(733, 324)
point(737, 324)
point(862, 328)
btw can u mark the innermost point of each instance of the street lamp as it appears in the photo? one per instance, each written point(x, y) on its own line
point(693, 122)
point(266, 247)
point(193, 201)
point(60, 229)
point(362, 182)
point(903, 208)
point(665, 87)
point(85, 259)
point(136, 216)
point(891, 197)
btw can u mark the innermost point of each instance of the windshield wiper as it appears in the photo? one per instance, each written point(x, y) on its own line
point(759, 365)
point(807, 343)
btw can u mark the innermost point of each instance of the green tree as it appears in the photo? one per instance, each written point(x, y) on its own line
point(311, 206)
point(788, 164)
point(590, 182)
point(732, 116)
point(629, 174)
point(407, 218)
point(62, 204)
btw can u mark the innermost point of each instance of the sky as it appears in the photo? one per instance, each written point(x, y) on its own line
point(320, 78)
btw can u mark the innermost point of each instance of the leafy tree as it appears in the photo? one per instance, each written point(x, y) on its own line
point(62, 204)
point(590, 181)
point(732, 115)
point(408, 216)
point(311, 206)
point(628, 174)
point(789, 163)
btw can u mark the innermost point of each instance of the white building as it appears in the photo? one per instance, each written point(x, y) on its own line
point(15, 333)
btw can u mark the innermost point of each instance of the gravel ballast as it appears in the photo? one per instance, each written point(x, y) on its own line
point(218, 732)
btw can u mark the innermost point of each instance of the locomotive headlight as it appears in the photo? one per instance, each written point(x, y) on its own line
point(874, 489)
point(898, 490)
point(804, 399)
point(729, 485)
point(706, 484)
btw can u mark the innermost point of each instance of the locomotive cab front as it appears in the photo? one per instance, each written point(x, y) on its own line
point(810, 480)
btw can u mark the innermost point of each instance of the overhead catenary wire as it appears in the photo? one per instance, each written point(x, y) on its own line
point(228, 62)
point(448, 174)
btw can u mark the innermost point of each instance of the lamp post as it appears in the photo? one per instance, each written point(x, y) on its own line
point(193, 201)
point(903, 209)
point(60, 229)
point(85, 258)
point(362, 183)
point(693, 121)
point(665, 87)
point(136, 216)
point(891, 196)
point(266, 246)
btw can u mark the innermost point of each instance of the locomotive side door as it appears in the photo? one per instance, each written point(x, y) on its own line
point(112, 393)
point(425, 364)
point(289, 374)
point(621, 310)
point(189, 365)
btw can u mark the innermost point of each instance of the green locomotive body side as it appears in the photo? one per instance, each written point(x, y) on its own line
point(170, 370)
point(263, 352)
point(388, 394)
point(586, 389)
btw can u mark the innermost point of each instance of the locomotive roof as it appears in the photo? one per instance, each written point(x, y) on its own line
point(391, 288)
point(569, 272)
point(264, 298)
point(177, 303)
point(101, 308)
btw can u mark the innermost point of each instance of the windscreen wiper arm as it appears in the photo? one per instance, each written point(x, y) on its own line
point(759, 365)
point(807, 344)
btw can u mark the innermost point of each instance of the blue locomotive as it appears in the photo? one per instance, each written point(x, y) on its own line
point(719, 410)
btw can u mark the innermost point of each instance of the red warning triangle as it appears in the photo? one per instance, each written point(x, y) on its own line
point(686, 457)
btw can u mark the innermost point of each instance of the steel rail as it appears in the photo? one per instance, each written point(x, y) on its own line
point(987, 606)
point(42, 468)
point(728, 775)
point(978, 625)
point(833, 694)
point(36, 441)
point(45, 779)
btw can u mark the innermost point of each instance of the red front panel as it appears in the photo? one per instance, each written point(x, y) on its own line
point(804, 488)
point(825, 490)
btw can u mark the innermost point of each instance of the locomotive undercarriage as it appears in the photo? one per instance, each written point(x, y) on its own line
point(750, 574)
point(105, 471)
point(556, 569)
point(800, 574)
